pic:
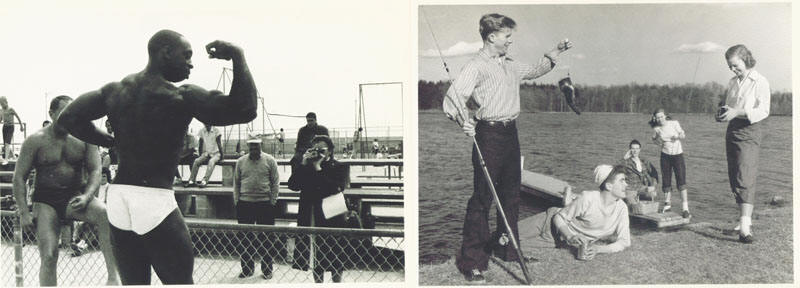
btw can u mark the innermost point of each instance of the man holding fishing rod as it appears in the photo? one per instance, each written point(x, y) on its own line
point(492, 79)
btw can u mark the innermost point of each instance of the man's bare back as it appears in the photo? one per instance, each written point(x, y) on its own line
point(150, 118)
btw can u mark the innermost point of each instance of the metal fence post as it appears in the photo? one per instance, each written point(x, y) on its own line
point(18, 252)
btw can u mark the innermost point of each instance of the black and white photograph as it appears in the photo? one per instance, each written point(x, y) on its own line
point(609, 143)
point(204, 142)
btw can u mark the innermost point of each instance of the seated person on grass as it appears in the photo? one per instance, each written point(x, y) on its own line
point(641, 174)
point(597, 218)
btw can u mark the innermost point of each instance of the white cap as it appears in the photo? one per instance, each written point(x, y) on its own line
point(601, 172)
point(253, 139)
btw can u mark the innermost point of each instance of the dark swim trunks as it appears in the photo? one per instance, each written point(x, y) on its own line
point(8, 133)
point(58, 198)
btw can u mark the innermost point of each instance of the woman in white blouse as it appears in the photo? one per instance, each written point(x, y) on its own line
point(668, 134)
point(746, 106)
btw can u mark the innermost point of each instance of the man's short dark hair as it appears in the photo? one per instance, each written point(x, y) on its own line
point(634, 142)
point(311, 115)
point(162, 38)
point(491, 23)
point(56, 102)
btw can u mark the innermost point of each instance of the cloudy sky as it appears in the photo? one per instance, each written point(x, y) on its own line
point(620, 43)
point(304, 57)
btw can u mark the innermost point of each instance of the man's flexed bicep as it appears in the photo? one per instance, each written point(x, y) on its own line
point(77, 117)
point(214, 108)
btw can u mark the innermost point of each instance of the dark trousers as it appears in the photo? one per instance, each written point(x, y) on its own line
point(256, 244)
point(167, 248)
point(742, 144)
point(673, 164)
point(499, 146)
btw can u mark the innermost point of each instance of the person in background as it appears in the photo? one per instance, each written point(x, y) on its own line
point(318, 176)
point(746, 107)
point(211, 147)
point(7, 115)
point(255, 195)
point(667, 133)
point(641, 174)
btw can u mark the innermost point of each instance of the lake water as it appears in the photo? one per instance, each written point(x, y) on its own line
point(568, 147)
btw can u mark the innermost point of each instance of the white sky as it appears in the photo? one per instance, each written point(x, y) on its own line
point(303, 57)
point(616, 44)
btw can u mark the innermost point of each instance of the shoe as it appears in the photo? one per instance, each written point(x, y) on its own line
point(686, 214)
point(202, 184)
point(746, 239)
point(666, 207)
point(266, 276)
point(475, 277)
point(244, 275)
point(189, 184)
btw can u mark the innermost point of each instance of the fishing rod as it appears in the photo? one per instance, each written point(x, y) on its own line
point(464, 119)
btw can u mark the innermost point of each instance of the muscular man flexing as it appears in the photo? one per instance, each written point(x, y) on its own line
point(62, 192)
point(150, 116)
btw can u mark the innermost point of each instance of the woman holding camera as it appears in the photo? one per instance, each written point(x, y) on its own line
point(319, 176)
point(746, 106)
point(668, 133)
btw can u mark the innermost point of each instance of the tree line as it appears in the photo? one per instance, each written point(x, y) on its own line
point(629, 98)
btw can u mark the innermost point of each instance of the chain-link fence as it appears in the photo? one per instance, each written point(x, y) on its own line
point(362, 255)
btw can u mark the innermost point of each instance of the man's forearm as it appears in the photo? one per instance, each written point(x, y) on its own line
point(21, 194)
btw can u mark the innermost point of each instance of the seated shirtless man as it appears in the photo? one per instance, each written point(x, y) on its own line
point(150, 116)
point(62, 192)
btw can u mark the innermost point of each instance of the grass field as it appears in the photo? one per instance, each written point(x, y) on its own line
point(568, 147)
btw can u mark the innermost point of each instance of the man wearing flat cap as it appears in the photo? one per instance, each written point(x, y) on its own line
point(255, 195)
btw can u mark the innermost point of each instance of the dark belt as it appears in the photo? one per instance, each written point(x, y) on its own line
point(504, 124)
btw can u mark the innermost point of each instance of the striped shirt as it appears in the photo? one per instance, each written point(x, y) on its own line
point(751, 95)
point(493, 83)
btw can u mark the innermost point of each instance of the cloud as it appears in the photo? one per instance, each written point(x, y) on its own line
point(703, 47)
point(459, 49)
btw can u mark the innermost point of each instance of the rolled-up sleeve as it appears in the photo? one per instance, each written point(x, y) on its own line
point(759, 109)
point(528, 71)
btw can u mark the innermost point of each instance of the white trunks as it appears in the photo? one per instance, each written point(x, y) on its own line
point(138, 209)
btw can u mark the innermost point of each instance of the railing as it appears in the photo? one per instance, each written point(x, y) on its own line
point(366, 255)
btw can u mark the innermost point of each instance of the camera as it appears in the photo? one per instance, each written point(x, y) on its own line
point(317, 152)
point(720, 112)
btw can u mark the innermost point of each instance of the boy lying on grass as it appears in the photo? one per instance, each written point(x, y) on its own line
point(596, 219)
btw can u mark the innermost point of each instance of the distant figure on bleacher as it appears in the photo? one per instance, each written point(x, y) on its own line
point(211, 154)
point(7, 117)
point(255, 195)
point(304, 136)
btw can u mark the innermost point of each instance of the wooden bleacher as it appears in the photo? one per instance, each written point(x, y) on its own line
point(216, 201)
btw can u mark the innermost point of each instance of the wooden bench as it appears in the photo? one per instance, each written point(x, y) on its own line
point(217, 201)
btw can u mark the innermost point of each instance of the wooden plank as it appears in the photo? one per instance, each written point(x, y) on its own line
point(367, 162)
point(663, 220)
point(285, 192)
point(543, 186)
